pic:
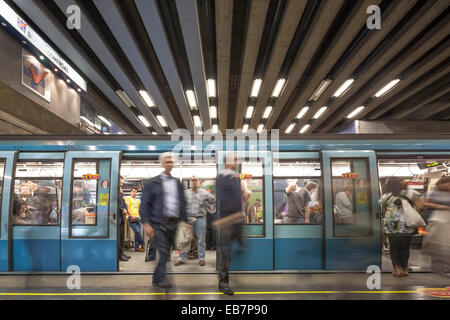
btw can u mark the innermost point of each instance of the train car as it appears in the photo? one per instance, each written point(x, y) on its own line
point(59, 197)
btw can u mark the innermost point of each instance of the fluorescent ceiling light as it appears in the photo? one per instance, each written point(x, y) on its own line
point(191, 98)
point(125, 98)
point(197, 121)
point(213, 112)
point(320, 89)
point(215, 128)
point(289, 129)
point(105, 120)
point(169, 133)
point(302, 112)
point(255, 87)
point(211, 88)
point(154, 133)
point(386, 88)
point(245, 128)
point(249, 113)
point(147, 99)
point(355, 112)
point(87, 120)
point(260, 128)
point(144, 121)
point(161, 120)
point(200, 132)
point(278, 87)
point(343, 89)
point(305, 127)
point(267, 112)
point(320, 112)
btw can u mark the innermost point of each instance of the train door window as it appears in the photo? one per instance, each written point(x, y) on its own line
point(352, 211)
point(84, 193)
point(2, 173)
point(252, 176)
point(37, 193)
point(297, 186)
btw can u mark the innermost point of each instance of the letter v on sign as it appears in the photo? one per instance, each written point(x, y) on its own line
point(37, 78)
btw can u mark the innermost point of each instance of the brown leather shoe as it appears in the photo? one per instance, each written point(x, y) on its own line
point(178, 263)
point(202, 263)
point(140, 249)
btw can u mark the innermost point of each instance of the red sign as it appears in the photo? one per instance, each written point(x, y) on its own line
point(411, 183)
point(90, 176)
point(244, 176)
point(350, 175)
point(436, 292)
point(37, 78)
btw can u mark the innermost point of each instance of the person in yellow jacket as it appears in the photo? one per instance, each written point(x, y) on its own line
point(134, 220)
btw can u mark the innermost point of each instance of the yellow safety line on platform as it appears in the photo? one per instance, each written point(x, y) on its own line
point(186, 293)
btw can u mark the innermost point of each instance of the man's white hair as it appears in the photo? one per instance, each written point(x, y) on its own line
point(165, 155)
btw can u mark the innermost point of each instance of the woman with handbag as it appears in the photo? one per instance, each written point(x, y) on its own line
point(395, 227)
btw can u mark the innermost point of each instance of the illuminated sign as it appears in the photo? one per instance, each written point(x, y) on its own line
point(25, 30)
point(90, 176)
point(245, 176)
point(350, 175)
point(432, 164)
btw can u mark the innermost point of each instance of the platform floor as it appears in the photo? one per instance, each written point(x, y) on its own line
point(204, 286)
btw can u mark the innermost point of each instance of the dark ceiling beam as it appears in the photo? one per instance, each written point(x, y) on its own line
point(433, 108)
point(422, 33)
point(315, 26)
point(224, 18)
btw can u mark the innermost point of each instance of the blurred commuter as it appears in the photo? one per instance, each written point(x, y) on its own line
point(197, 203)
point(34, 206)
point(210, 231)
point(122, 216)
point(344, 205)
point(437, 199)
point(398, 233)
point(253, 212)
point(134, 220)
point(298, 201)
point(436, 242)
point(20, 213)
point(413, 196)
point(163, 207)
point(230, 217)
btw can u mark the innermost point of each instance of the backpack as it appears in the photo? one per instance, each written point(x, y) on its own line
point(394, 221)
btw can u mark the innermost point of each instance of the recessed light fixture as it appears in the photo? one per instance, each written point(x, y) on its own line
point(305, 127)
point(320, 89)
point(387, 88)
point(4, 24)
point(320, 112)
point(79, 90)
point(147, 98)
point(125, 98)
point(255, 87)
point(211, 88)
point(289, 129)
point(87, 120)
point(200, 132)
point(344, 88)
point(215, 128)
point(41, 57)
point(302, 112)
point(68, 80)
point(355, 112)
point(260, 128)
point(24, 42)
point(213, 112)
point(267, 112)
point(105, 120)
point(197, 121)
point(144, 121)
point(161, 120)
point(191, 98)
point(249, 113)
point(56, 70)
point(278, 87)
point(245, 128)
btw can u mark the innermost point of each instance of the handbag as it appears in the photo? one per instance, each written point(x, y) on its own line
point(412, 218)
point(184, 236)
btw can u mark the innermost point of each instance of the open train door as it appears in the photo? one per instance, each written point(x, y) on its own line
point(89, 211)
point(6, 173)
point(352, 230)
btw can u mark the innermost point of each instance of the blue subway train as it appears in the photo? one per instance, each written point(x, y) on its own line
point(59, 196)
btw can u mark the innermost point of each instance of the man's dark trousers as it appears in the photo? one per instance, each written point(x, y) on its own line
point(226, 236)
point(164, 238)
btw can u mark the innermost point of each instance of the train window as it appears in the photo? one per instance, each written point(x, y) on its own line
point(252, 177)
point(352, 211)
point(37, 193)
point(84, 193)
point(297, 188)
point(2, 173)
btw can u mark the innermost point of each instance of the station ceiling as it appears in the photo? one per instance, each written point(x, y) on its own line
point(303, 52)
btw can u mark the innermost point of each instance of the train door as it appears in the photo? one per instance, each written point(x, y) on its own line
point(89, 211)
point(6, 172)
point(257, 253)
point(35, 212)
point(298, 235)
point(352, 224)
